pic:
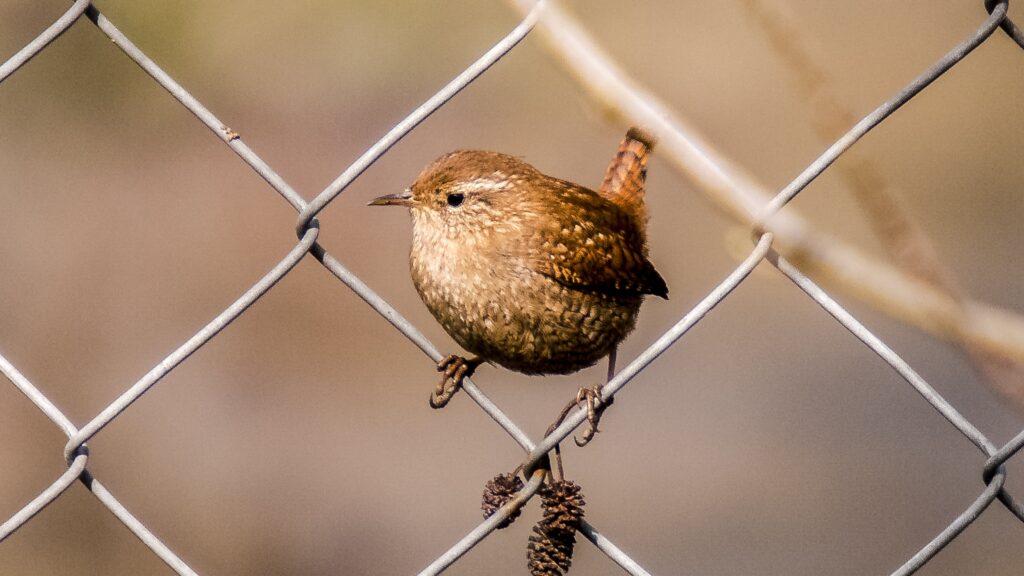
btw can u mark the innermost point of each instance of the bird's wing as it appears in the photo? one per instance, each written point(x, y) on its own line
point(592, 245)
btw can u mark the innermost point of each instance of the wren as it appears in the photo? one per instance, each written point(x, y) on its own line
point(524, 270)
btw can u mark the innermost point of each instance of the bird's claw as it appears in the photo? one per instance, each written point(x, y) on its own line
point(596, 405)
point(454, 369)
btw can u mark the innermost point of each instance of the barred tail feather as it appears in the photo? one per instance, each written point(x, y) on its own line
point(624, 183)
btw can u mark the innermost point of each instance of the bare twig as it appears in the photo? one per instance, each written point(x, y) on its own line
point(986, 328)
point(906, 243)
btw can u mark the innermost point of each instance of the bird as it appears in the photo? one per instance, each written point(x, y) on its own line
point(528, 271)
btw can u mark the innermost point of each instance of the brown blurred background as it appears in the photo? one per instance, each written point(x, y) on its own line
point(299, 441)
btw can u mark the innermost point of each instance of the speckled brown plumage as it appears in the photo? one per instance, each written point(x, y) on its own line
point(528, 271)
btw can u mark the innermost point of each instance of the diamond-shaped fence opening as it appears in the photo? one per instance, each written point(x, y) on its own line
point(911, 283)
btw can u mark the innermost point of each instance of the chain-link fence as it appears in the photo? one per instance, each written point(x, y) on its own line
point(735, 191)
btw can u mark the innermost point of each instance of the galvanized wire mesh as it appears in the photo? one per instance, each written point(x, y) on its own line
point(76, 451)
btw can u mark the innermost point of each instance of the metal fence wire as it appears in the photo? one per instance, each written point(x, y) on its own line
point(765, 218)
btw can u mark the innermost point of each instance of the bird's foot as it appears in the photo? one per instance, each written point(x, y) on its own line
point(595, 403)
point(454, 369)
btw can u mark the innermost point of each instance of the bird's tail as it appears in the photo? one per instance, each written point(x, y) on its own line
point(624, 183)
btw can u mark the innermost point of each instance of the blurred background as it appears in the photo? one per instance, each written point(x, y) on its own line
point(299, 441)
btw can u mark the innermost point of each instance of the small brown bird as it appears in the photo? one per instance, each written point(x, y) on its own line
point(536, 274)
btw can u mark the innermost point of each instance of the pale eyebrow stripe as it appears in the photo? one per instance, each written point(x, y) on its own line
point(481, 185)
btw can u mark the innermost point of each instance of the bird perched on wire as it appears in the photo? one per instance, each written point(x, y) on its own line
point(536, 274)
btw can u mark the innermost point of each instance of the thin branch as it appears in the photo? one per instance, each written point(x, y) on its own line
point(903, 239)
point(986, 328)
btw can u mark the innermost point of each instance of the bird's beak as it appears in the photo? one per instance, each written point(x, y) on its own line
point(403, 198)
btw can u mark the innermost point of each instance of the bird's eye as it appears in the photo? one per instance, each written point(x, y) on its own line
point(455, 199)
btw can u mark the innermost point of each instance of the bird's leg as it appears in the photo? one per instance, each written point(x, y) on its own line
point(455, 369)
point(596, 405)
